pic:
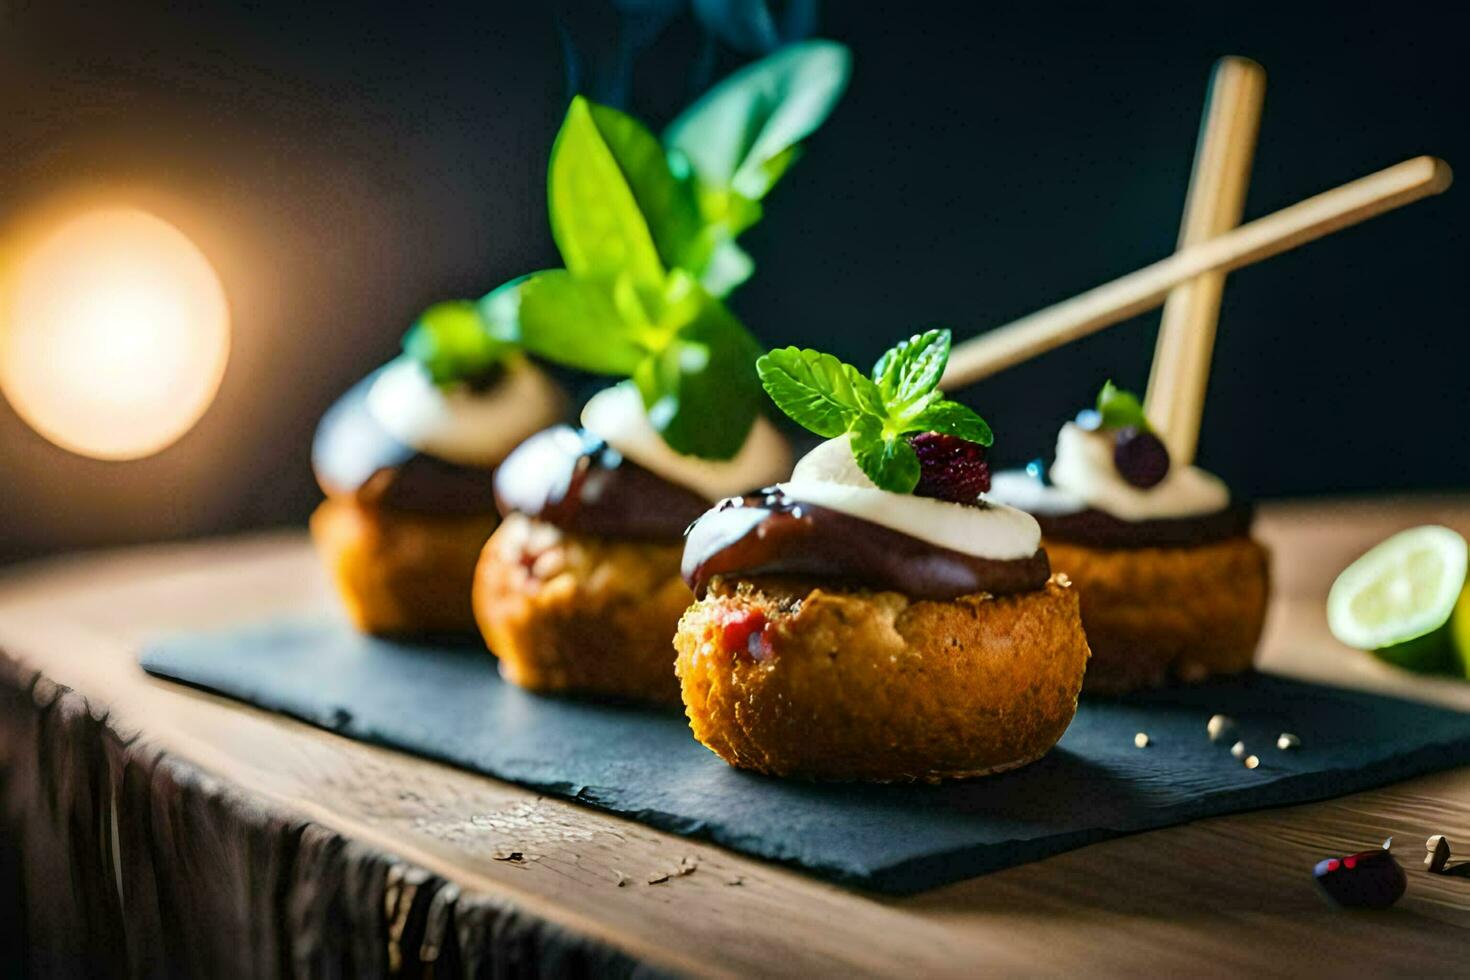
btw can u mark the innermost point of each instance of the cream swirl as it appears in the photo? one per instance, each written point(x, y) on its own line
point(617, 416)
point(828, 476)
point(458, 423)
point(1084, 469)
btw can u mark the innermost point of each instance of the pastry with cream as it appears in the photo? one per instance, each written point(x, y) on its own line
point(407, 458)
point(1173, 586)
point(877, 616)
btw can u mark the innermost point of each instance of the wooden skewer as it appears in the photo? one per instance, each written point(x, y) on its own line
point(1145, 289)
point(1217, 187)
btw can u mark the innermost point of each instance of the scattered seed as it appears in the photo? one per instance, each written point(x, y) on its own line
point(622, 878)
point(658, 877)
point(1219, 727)
point(1251, 762)
point(1286, 741)
point(1141, 740)
point(515, 857)
point(1438, 854)
point(688, 865)
point(1238, 750)
point(735, 882)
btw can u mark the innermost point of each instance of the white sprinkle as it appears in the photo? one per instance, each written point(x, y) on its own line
point(1251, 762)
point(1219, 727)
point(1286, 740)
point(1238, 750)
point(1438, 854)
point(1141, 740)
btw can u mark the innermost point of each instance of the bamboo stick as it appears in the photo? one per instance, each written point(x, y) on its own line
point(1145, 289)
point(1216, 200)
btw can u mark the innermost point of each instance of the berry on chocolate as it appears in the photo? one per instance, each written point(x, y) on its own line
point(950, 468)
point(1140, 457)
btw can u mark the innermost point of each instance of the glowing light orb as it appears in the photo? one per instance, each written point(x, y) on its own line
point(115, 334)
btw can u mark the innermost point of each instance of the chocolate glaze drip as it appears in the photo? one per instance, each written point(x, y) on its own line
point(352, 455)
point(575, 480)
point(1095, 529)
point(772, 534)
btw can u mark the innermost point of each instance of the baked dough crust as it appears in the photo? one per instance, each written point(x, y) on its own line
point(400, 572)
point(869, 685)
point(570, 612)
point(1158, 615)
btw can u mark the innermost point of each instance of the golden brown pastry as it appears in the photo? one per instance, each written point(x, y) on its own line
point(569, 612)
point(859, 684)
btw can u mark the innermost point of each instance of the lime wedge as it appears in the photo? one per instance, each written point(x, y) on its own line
point(1397, 599)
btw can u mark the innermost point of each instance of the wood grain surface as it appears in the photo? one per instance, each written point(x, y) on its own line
point(1224, 896)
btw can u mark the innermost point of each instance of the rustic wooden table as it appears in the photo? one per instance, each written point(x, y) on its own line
point(149, 827)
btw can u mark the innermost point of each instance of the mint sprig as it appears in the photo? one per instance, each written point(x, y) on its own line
point(877, 412)
point(1120, 409)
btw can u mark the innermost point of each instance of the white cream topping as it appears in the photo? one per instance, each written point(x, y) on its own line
point(1084, 468)
point(457, 423)
point(828, 476)
point(617, 415)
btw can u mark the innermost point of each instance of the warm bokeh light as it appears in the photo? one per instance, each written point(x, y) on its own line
point(115, 334)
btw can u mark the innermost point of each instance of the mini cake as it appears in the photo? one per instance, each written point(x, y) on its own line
point(1173, 586)
point(579, 590)
point(406, 459)
point(876, 617)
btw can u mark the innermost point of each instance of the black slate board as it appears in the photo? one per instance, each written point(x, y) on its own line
point(450, 704)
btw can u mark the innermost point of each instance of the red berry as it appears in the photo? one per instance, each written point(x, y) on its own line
point(744, 631)
point(1140, 457)
point(950, 468)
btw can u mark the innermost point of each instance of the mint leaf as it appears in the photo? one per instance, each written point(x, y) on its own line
point(1120, 409)
point(737, 133)
point(952, 419)
point(701, 391)
point(817, 390)
point(453, 343)
point(576, 322)
point(666, 203)
point(888, 460)
point(911, 369)
point(595, 215)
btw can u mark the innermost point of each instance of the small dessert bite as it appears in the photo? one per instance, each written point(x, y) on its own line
point(1173, 586)
point(406, 459)
point(876, 617)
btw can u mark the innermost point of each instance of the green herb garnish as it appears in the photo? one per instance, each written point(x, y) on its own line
point(877, 413)
point(452, 342)
point(740, 138)
point(628, 303)
point(1120, 409)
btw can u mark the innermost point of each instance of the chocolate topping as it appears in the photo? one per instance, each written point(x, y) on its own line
point(1095, 529)
point(352, 455)
point(772, 534)
point(575, 480)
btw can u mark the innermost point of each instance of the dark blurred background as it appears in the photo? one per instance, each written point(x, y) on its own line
point(344, 165)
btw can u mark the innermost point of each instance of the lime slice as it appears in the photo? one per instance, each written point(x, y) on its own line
point(1397, 598)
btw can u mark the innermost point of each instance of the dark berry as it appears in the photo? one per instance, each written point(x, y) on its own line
point(1140, 457)
point(950, 468)
point(1369, 879)
point(1089, 419)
